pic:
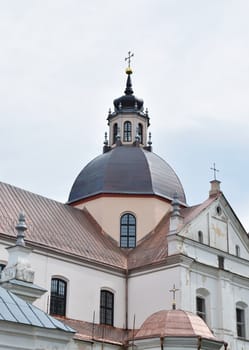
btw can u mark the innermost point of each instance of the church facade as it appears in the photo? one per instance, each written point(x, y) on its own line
point(126, 247)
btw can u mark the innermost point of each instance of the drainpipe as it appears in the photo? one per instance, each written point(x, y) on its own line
point(199, 343)
point(161, 342)
point(126, 299)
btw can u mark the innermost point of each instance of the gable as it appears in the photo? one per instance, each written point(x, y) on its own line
point(221, 231)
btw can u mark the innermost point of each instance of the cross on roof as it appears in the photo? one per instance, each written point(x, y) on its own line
point(215, 171)
point(130, 55)
point(174, 290)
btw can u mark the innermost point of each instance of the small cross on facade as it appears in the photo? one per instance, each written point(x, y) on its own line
point(215, 171)
point(174, 290)
point(130, 55)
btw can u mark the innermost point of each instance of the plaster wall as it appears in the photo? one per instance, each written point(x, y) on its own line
point(150, 292)
point(15, 336)
point(220, 231)
point(107, 211)
point(135, 119)
point(221, 291)
point(83, 287)
point(3, 252)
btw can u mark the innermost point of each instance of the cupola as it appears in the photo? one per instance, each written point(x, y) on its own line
point(128, 122)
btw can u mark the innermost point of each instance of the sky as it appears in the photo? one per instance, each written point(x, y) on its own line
point(62, 63)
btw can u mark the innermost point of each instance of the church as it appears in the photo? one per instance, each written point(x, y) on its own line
point(126, 262)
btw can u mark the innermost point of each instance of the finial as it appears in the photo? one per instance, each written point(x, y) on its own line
point(146, 112)
point(106, 141)
point(128, 69)
point(215, 171)
point(174, 290)
point(149, 142)
point(176, 205)
point(109, 111)
point(21, 228)
point(137, 138)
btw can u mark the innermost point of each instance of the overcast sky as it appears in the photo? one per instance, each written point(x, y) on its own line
point(62, 64)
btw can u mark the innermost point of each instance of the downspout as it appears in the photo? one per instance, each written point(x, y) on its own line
point(126, 299)
point(161, 342)
point(199, 343)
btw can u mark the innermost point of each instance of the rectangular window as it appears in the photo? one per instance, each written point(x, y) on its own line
point(201, 308)
point(221, 262)
point(240, 320)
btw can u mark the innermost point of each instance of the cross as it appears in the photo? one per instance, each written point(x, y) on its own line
point(215, 171)
point(174, 290)
point(130, 55)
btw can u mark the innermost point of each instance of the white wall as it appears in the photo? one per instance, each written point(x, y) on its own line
point(83, 288)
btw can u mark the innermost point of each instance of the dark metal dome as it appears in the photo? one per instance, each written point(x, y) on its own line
point(127, 170)
point(128, 101)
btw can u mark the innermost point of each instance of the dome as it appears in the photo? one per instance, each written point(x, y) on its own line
point(174, 323)
point(127, 170)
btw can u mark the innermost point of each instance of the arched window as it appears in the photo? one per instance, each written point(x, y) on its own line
point(115, 132)
point(106, 307)
point(237, 250)
point(200, 236)
point(201, 307)
point(241, 309)
point(127, 132)
point(128, 231)
point(58, 297)
point(140, 132)
point(203, 303)
point(2, 266)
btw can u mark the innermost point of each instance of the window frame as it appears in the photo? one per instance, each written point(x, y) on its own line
point(106, 313)
point(237, 250)
point(127, 131)
point(115, 132)
point(241, 320)
point(140, 132)
point(200, 236)
point(58, 302)
point(203, 312)
point(128, 231)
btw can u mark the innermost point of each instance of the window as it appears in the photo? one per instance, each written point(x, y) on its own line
point(221, 262)
point(237, 250)
point(2, 266)
point(127, 131)
point(115, 132)
point(58, 297)
point(218, 210)
point(128, 231)
point(200, 236)
point(106, 307)
point(240, 321)
point(140, 132)
point(201, 307)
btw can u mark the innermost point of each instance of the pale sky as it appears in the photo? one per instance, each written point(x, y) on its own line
point(62, 64)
